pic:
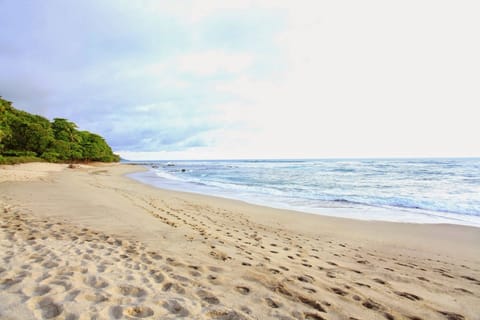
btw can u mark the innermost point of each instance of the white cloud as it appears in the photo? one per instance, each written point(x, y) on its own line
point(350, 78)
point(369, 79)
point(213, 61)
point(197, 10)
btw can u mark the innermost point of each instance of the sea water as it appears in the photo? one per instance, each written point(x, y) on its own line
point(402, 190)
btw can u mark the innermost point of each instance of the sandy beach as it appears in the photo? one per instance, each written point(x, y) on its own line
point(90, 243)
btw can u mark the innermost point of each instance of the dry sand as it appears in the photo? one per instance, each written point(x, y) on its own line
point(89, 243)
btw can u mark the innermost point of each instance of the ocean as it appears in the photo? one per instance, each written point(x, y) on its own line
point(401, 190)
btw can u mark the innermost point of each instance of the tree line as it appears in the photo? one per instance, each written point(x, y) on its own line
point(27, 137)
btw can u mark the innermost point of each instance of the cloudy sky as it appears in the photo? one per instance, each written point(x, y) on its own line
point(251, 79)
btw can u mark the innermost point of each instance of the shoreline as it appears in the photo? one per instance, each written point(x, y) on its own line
point(356, 211)
point(133, 250)
point(420, 232)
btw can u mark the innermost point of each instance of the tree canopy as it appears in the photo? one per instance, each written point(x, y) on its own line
point(26, 135)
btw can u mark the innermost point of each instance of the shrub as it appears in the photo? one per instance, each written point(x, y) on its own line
point(19, 153)
point(18, 160)
point(50, 156)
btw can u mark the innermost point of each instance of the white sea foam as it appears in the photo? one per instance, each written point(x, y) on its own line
point(166, 175)
point(412, 190)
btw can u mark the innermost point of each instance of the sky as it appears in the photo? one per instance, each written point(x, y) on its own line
point(251, 79)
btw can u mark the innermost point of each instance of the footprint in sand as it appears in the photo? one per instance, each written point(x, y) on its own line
point(312, 303)
point(60, 283)
point(116, 312)
point(313, 316)
point(173, 306)
point(339, 291)
point(41, 290)
point(309, 290)
point(225, 314)
point(9, 282)
point(243, 290)
point(95, 282)
point(272, 303)
point(138, 311)
point(207, 297)
point(180, 278)
point(388, 316)
point(305, 278)
point(464, 290)
point(155, 256)
point(362, 284)
point(379, 281)
point(451, 315)
point(370, 304)
point(274, 271)
point(72, 295)
point(95, 297)
point(168, 286)
point(407, 295)
point(49, 309)
point(132, 291)
point(157, 276)
point(471, 279)
point(37, 291)
point(212, 277)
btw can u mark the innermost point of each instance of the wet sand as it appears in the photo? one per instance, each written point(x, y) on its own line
point(90, 243)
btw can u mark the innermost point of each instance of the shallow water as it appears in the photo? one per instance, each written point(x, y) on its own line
point(404, 190)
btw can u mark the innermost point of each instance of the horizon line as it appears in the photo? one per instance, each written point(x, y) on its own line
point(309, 158)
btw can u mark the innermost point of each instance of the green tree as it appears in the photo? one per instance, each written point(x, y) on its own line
point(39, 135)
point(95, 148)
point(26, 131)
point(65, 130)
point(25, 135)
point(4, 128)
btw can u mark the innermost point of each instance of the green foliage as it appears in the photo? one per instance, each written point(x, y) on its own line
point(65, 130)
point(50, 156)
point(95, 148)
point(4, 129)
point(25, 136)
point(17, 160)
point(18, 153)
